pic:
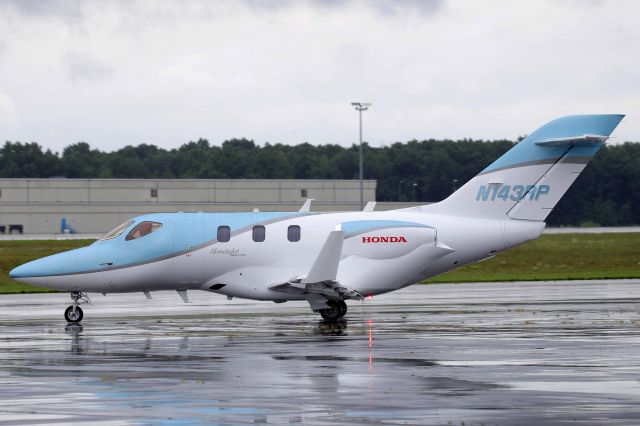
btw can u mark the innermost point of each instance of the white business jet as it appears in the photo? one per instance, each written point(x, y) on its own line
point(329, 258)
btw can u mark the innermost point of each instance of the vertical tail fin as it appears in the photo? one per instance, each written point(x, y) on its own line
point(529, 179)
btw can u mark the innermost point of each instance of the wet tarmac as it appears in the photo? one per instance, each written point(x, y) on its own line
point(461, 354)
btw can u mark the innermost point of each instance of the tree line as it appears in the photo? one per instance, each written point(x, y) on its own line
point(606, 194)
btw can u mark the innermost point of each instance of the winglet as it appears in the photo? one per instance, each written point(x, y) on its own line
point(325, 267)
point(371, 205)
point(306, 207)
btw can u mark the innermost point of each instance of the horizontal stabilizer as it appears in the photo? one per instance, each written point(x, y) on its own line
point(575, 140)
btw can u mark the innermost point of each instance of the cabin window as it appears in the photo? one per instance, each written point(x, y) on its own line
point(258, 233)
point(224, 234)
point(293, 233)
point(142, 229)
point(154, 193)
point(115, 232)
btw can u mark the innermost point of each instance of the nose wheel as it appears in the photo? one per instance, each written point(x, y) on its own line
point(73, 314)
point(336, 310)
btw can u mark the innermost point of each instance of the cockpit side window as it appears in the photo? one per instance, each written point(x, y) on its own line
point(142, 229)
point(115, 232)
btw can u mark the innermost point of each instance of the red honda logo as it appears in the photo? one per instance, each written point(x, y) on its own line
point(384, 240)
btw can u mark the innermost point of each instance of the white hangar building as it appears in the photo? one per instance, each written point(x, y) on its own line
point(38, 206)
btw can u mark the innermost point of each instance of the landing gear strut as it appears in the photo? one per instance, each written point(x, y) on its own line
point(336, 310)
point(73, 313)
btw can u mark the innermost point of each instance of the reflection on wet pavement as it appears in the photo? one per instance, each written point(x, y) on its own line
point(516, 353)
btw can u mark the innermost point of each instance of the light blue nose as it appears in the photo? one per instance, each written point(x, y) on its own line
point(56, 264)
point(91, 258)
point(36, 268)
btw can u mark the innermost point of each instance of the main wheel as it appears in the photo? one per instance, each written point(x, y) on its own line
point(343, 308)
point(72, 315)
point(332, 313)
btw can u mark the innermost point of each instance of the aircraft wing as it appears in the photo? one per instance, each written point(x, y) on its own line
point(318, 294)
point(325, 267)
point(320, 284)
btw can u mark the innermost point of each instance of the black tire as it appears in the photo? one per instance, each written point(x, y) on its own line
point(343, 308)
point(332, 313)
point(70, 317)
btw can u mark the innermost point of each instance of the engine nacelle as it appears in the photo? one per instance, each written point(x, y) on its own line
point(385, 239)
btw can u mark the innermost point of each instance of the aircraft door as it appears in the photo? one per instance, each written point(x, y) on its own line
point(188, 236)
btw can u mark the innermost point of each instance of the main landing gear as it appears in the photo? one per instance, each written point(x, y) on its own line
point(336, 310)
point(73, 313)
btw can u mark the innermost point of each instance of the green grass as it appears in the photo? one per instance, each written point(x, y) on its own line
point(558, 257)
point(14, 253)
point(551, 257)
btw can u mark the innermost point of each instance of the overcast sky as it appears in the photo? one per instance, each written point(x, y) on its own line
point(114, 73)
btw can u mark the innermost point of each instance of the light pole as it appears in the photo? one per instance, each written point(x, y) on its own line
point(361, 106)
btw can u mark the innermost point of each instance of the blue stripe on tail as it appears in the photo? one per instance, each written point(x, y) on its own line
point(574, 125)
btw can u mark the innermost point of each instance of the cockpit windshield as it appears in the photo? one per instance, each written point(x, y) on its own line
point(142, 229)
point(115, 232)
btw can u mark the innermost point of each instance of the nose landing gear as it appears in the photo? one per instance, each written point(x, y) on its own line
point(73, 314)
